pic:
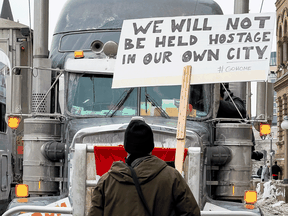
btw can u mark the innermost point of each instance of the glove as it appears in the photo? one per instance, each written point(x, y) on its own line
point(226, 95)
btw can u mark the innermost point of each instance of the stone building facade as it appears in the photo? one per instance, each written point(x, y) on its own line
point(281, 84)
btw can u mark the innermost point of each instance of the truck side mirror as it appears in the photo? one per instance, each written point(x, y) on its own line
point(264, 106)
point(16, 94)
point(13, 88)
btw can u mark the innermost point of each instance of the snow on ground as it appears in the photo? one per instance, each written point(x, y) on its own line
point(267, 200)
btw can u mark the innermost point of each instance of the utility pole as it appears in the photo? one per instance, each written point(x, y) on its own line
point(243, 89)
point(285, 181)
point(284, 126)
point(271, 140)
point(241, 6)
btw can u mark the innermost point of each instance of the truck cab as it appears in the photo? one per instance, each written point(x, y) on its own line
point(59, 160)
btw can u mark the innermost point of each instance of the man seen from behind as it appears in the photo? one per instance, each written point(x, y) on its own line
point(163, 187)
point(275, 171)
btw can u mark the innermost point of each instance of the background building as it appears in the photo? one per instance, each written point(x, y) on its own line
point(281, 83)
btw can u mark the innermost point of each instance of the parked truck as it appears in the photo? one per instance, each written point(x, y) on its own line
point(65, 106)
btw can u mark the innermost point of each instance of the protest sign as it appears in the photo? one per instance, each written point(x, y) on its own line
point(220, 48)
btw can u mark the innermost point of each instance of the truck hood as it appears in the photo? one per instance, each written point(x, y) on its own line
point(79, 127)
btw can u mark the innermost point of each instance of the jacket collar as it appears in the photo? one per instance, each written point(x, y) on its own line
point(146, 168)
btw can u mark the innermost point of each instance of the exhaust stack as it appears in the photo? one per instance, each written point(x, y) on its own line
point(40, 173)
point(41, 78)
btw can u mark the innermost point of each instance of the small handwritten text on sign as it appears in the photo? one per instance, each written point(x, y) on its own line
point(220, 48)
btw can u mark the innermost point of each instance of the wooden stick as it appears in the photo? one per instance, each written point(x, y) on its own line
point(182, 115)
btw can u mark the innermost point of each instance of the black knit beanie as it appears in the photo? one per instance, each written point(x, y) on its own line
point(138, 138)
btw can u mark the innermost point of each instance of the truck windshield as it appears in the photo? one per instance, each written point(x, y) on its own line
point(92, 95)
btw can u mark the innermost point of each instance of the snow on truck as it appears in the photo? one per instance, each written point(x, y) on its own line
point(66, 123)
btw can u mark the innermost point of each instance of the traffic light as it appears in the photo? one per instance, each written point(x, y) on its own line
point(256, 155)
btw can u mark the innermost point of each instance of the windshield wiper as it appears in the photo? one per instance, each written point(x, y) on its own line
point(154, 103)
point(120, 102)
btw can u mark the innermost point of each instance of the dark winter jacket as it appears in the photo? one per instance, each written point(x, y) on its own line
point(162, 187)
point(276, 169)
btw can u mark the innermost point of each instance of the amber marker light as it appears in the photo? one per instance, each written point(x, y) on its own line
point(22, 200)
point(78, 54)
point(265, 129)
point(250, 198)
point(21, 190)
point(249, 206)
point(13, 122)
point(233, 190)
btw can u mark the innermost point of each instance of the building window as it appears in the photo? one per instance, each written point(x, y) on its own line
point(273, 59)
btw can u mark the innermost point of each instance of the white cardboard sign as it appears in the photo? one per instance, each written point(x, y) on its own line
point(220, 48)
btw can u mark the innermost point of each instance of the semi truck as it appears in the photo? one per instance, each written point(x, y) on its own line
point(61, 109)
